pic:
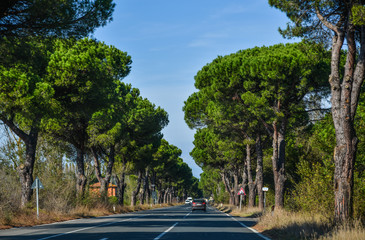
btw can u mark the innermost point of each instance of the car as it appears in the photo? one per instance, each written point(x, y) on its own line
point(199, 204)
point(189, 200)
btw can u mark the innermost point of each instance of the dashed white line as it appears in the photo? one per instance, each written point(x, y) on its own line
point(187, 214)
point(168, 230)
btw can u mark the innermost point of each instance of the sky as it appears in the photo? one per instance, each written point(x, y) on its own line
point(170, 41)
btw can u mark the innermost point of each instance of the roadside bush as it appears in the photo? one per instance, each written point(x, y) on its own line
point(58, 196)
point(359, 193)
point(9, 195)
point(314, 192)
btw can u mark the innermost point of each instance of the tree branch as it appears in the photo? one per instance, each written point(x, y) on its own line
point(327, 23)
point(14, 128)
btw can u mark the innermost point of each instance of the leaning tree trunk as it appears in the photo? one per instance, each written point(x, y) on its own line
point(136, 191)
point(278, 161)
point(104, 181)
point(25, 170)
point(227, 185)
point(259, 180)
point(251, 184)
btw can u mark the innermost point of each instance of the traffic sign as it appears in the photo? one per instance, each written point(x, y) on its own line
point(241, 192)
point(37, 184)
point(265, 189)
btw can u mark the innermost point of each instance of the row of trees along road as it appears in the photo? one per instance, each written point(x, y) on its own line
point(247, 96)
point(339, 22)
point(42, 18)
point(22, 19)
point(70, 91)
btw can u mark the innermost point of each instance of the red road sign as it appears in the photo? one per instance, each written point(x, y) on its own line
point(241, 192)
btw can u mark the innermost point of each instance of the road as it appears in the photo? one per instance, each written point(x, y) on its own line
point(175, 223)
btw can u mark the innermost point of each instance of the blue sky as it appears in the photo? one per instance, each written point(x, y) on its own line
point(170, 41)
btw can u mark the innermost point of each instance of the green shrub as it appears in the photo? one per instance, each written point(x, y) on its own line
point(113, 200)
point(314, 191)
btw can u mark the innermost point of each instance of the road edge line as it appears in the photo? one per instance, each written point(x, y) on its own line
point(245, 226)
point(82, 229)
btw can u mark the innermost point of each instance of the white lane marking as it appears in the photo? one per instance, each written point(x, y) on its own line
point(82, 229)
point(187, 214)
point(104, 239)
point(168, 230)
point(245, 226)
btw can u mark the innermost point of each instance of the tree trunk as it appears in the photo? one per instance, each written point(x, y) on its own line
point(26, 170)
point(259, 181)
point(136, 191)
point(235, 189)
point(251, 184)
point(244, 180)
point(104, 182)
point(161, 194)
point(170, 195)
point(142, 196)
point(121, 185)
point(148, 190)
point(148, 195)
point(165, 198)
point(80, 173)
point(344, 104)
point(278, 161)
point(227, 185)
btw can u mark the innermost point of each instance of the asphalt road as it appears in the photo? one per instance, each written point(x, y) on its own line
point(175, 223)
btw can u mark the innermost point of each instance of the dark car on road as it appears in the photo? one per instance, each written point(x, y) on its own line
point(198, 204)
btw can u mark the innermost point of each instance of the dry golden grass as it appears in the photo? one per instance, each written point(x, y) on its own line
point(282, 224)
point(247, 212)
point(353, 232)
point(28, 217)
point(286, 225)
point(298, 225)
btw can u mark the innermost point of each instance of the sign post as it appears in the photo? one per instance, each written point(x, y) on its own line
point(265, 189)
point(241, 192)
point(36, 185)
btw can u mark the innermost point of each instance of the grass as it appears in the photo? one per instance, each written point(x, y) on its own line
point(355, 231)
point(28, 216)
point(286, 225)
